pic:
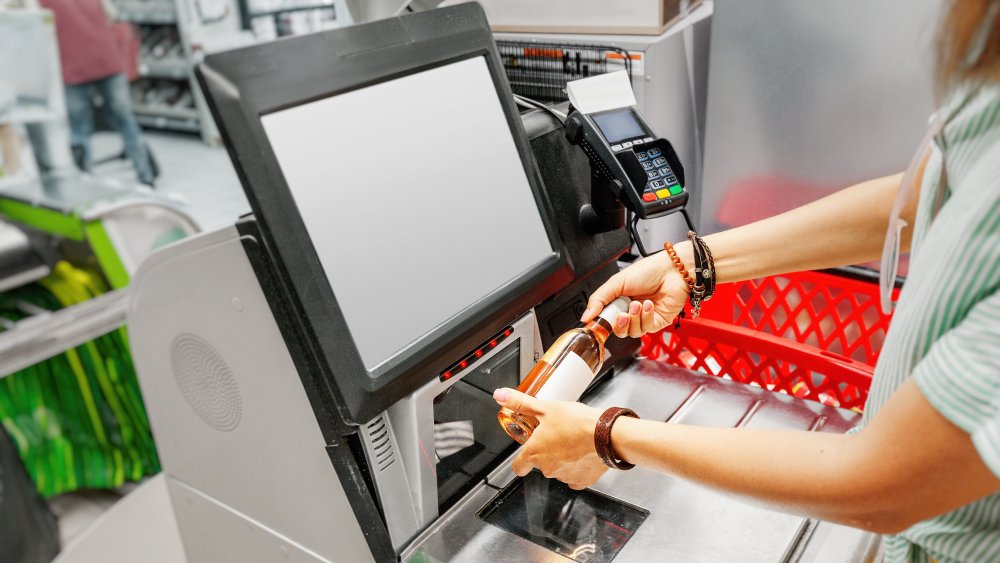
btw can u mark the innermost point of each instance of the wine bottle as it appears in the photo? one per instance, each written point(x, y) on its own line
point(566, 369)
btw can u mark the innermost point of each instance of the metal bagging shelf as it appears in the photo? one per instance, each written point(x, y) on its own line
point(812, 335)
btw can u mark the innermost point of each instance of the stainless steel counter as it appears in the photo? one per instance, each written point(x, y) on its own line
point(686, 522)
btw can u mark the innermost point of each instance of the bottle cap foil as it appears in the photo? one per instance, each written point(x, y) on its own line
point(619, 305)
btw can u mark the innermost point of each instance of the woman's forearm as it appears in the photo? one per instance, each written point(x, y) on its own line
point(908, 464)
point(798, 472)
point(847, 227)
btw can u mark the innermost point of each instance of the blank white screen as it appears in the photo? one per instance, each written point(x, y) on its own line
point(415, 198)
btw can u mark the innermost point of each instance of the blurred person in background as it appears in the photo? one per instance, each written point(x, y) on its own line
point(92, 61)
point(10, 142)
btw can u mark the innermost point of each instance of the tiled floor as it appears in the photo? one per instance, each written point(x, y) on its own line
point(196, 173)
point(78, 510)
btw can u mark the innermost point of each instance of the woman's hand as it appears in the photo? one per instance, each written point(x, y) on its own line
point(562, 446)
point(657, 290)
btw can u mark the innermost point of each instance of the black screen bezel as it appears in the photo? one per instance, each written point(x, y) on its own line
point(241, 86)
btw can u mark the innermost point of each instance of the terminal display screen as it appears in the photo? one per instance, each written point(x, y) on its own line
point(619, 125)
point(416, 199)
point(585, 526)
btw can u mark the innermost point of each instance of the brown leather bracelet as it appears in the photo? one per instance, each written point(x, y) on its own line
point(602, 437)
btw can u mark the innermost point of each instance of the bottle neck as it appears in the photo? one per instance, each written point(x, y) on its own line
point(601, 329)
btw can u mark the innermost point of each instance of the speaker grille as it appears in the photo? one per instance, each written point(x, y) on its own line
point(206, 382)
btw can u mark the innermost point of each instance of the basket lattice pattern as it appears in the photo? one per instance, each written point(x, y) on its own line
point(813, 335)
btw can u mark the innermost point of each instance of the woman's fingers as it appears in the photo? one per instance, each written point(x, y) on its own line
point(634, 322)
point(635, 327)
point(621, 325)
point(605, 294)
point(521, 466)
point(519, 402)
point(639, 320)
point(648, 324)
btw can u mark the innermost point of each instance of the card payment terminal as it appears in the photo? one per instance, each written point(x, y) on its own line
point(641, 170)
point(624, 148)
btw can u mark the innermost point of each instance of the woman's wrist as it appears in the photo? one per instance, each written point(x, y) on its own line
point(602, 436)
point(619, 438)
point(686, 253)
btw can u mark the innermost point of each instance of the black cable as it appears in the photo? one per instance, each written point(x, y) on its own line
point(629, 256)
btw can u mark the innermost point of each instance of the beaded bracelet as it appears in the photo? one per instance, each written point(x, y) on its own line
point(679, 266)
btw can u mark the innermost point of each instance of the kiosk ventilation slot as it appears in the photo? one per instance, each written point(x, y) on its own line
point(381, 443)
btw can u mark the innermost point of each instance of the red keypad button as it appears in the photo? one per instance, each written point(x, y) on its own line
point(648, 197)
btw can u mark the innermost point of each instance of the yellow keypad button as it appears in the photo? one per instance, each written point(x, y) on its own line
point(663, 194)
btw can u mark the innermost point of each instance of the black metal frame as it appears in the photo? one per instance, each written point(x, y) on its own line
point(553, 65)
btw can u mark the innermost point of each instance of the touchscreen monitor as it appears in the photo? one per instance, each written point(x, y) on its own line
point(415, 197)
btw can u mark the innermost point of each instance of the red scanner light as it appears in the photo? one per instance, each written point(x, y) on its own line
point(475, 355)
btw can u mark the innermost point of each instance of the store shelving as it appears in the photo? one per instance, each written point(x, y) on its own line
point(166, 103)
point(12, 182)
point(161, 94)
point(271, 13)
point(174, 35)
point(169, 123)
point(48, 333)
point(30, 113)
point(147, 11)
point(178, 69)
point(270, 19)
point(178, 114)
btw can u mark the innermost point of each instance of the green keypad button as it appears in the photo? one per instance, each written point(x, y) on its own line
point(676, 189)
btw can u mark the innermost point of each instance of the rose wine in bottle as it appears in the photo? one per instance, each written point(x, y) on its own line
point(566, 369)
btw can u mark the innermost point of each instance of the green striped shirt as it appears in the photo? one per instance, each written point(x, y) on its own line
point(946, 329)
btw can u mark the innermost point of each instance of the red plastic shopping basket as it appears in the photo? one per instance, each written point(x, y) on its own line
point(814, 335)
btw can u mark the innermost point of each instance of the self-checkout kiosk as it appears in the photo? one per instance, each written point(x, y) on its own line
point(318, 376)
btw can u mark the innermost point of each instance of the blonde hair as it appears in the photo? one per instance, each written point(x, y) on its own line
point(968, 44)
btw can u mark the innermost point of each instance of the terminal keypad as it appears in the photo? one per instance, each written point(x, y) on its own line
point(661, 182)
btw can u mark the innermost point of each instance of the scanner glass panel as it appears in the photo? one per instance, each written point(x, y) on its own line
point(415, 198)
point(618, 125)
point(467, 438)
point(585, 526)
